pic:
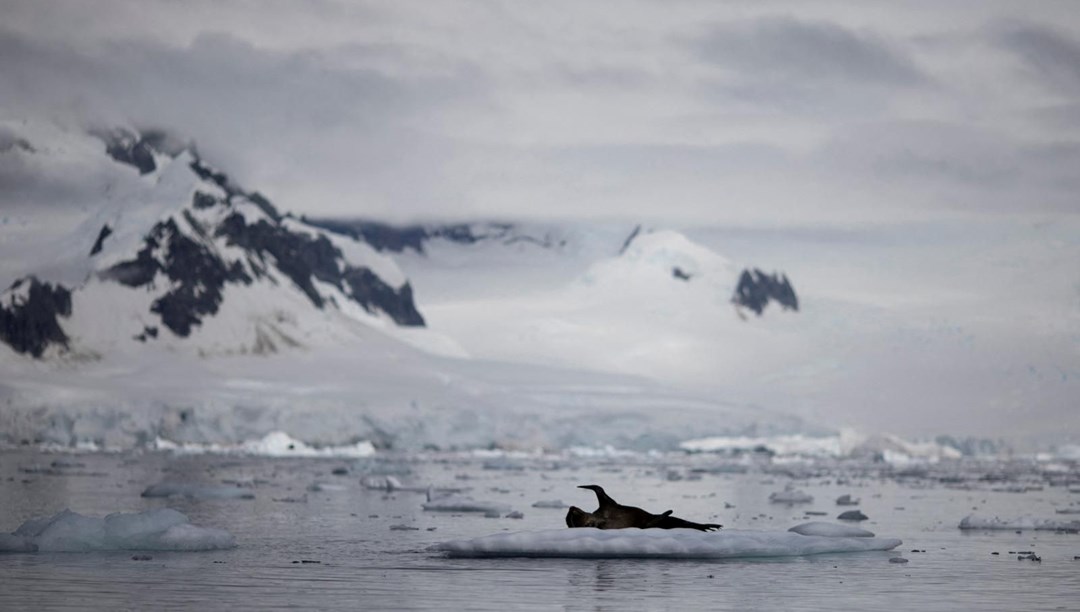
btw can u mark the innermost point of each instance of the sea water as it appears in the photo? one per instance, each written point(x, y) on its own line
point(313, 537)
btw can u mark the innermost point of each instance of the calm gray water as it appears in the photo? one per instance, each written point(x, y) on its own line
point(363, 564)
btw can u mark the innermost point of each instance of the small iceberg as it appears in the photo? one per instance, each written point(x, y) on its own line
point(791, 495)
point(1024, 522)
point(847, 500)
point(273, 444)
point(550, 503)
point(196, 491)
point(852, 515)
point(589, 543)
point(830, 530)
point(161, 529)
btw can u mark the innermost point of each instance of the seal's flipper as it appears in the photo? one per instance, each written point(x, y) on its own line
point(601, 497)
point(673, 522)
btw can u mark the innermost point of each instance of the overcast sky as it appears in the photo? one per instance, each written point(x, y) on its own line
point(732, 112)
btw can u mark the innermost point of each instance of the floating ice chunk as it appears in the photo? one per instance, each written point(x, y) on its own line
point(847, 500)
point(791, 496)
point(657, 543)
point(195, 491)
point(852, 515)
point(461, 503)
point(378, 481)
point(10, 542)
point(71, 531)
point(830, 530)
point(160, 529)
point(550, 503)
point(1024, 522)
point(133, 528)
point(188, 537)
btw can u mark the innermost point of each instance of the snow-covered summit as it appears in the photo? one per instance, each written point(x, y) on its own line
point(174, 252)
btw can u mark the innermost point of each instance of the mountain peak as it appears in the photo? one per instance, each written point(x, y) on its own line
point(168, 255)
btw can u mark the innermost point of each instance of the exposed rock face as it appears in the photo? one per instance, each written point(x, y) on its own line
point(372, 293)
point(128, 148)
point(756, 289)
point(105, 232)
point(29, 316)
point(398, 238)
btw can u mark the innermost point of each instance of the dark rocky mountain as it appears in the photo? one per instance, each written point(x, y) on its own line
point(756, 289)
point(213, 235)
point(29, 316)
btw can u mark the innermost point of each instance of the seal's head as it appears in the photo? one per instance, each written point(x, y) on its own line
point(576, 517)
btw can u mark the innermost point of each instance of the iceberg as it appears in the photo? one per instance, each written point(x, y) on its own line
point(586, 542)
point(1024, 522)
point(161, 529)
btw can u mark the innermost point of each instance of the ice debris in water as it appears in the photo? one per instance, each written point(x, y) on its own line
point(587, 542)
point(1024, 522)
point(550, 503)
point(847, 500)
point(159, 529)
point(852, 515)
point(462, 503)
point(195, 491)
point(791, 495)
point(830, 530)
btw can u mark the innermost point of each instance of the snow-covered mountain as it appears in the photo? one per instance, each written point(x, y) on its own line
point(151, 296)
point(175, 253)
point(164, 301)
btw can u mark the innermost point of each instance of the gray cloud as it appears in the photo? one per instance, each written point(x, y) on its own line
point(253, 111)
point(1050, 54)
point(472, 108)
point(786, 48)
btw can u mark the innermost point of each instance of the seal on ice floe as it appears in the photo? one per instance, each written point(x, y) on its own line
point(613, 515)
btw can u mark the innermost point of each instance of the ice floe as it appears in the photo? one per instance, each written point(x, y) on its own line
point(1023, 522)
point(159, 529)
point(658, 543)
point(830, 530)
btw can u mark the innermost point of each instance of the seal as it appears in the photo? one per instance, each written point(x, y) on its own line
point(613, 515)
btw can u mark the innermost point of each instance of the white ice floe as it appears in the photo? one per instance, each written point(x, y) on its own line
point(1023, 522)
point(550, 503)
point(197, 491)
point(657, 543)
point(159, 529)
point(830, 530)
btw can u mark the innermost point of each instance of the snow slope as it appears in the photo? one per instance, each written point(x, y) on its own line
point(958, 325)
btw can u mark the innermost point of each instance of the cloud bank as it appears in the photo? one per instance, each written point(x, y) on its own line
point(755, 112)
